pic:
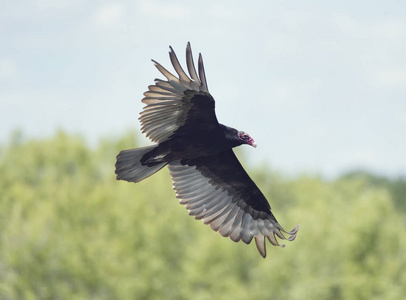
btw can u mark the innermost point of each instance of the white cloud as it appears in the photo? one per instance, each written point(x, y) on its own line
point(108, 15)
point(164, 9)
point(393, 29)
point(53, 4)
point(290, 94)
point(348, 26)
point(389, 29)
point(8, 70)
point(389, 78)
point(224, 11)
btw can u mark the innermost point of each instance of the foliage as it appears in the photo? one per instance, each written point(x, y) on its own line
point(396, 187)
point(69, 230)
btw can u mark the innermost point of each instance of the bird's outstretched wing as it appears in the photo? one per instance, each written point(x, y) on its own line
point(217, 190)
point(180, 102)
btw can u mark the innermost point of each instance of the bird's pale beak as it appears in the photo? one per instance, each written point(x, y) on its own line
point(252, 143)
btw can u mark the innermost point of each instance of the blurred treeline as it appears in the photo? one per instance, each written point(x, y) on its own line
point(69, 230)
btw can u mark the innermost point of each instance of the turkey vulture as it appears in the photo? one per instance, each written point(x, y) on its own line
point(207, 176)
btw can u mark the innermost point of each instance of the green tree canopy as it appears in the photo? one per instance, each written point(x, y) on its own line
point(69, 230)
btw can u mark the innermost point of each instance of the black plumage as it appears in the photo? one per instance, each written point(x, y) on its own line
point(207, 177)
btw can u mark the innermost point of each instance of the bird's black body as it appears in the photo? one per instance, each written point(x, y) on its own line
point(193, 145)
point(207, 176)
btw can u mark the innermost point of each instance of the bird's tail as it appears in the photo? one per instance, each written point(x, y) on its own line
point(129, 167)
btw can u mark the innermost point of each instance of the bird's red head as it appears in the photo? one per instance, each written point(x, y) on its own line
point(246, 139)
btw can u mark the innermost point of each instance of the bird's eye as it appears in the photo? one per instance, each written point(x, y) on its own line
point(245, 136)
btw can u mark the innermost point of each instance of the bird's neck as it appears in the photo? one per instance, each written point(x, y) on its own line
point(231, 135)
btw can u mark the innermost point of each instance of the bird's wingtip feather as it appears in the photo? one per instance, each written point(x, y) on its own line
point(260, 242)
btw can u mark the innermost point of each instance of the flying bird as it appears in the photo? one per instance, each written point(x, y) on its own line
point(207, 177)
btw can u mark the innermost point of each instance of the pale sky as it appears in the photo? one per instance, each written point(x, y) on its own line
point(320, 85)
